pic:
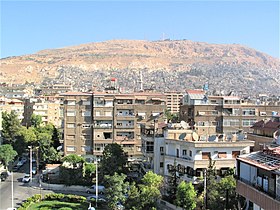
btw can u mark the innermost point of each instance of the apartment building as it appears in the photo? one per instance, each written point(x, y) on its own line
point(93, 120)
point(184, 149)
point(258, 178)
point(15, 105)
point(264, 132)
point(50, 111)
point(230, 114)
point(173, 101)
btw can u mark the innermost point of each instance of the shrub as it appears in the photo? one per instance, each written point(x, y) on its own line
point(54, 196)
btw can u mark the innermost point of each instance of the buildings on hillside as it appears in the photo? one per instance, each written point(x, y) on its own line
point(230, 114)
point(93, 120)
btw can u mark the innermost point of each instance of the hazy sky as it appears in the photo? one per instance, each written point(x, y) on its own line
point(30, 26)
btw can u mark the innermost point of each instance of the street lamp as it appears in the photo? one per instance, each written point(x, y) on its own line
point(30, 149)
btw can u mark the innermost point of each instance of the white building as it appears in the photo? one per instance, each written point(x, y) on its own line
point(191, 156)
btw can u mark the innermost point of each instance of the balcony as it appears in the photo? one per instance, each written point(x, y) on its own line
point(264, 199)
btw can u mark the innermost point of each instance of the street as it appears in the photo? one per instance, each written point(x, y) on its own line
point(22, 191)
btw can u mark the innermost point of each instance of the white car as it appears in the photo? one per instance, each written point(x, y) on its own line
point(26, 178)
point(101, 189)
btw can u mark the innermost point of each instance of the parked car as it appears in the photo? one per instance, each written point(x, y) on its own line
point(20, 163)
point(4, 175)
point(93, 197)
point(26, 178)
point(92, 189)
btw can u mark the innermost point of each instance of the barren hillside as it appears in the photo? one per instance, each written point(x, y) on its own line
point(166, 65)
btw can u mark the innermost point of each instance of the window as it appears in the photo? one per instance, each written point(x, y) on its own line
point(184, 152)
point(190, 153)
point(86, 148)
point(97, 113)
point(86, 102)
point(206, 155)
point(71, 137)
point(222, 155)
point(70, 113)
point(161, 164)
point(86, 113)
point(71, 103)
point(248, 122)
point(108, 113)
point(249, 112)
point(71, 148)
point(70, 125)
point(86, 125)
point(231, 122)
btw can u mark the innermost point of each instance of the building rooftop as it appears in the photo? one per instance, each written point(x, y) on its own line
point(268, 159)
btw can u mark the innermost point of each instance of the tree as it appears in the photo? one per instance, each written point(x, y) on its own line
point(134, 197)
point(113, 160)
point(36, 120)
point(7, 154)
point(116, 189)
point(171, 117)
point(71, 171)
point(150, 190)
point(227, 187)
point(173, 182)
point(186, 196)
point(89, 171)
point(11, 126)
point(73, 161)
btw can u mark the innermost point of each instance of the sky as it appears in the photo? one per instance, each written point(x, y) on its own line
point(30, 26)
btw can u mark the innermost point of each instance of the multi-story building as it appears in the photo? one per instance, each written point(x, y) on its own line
point(48, 110)
point(173, 101)
point(15, 105)
point(264, 132)
point(258, 178)
point(184, 148)
point(230, 114)
point(93, 120)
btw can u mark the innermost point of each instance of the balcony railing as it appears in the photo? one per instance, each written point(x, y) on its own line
point(268, 192)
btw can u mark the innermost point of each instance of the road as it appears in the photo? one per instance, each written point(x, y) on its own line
point(22, 191)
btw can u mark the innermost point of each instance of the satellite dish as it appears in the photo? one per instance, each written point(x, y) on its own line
point(212, 138)
point(182, 136)
point(229, 137)
point(59, 148)
point(240, 137)
point(184, 124)
point(195, 136)
point(276, 136)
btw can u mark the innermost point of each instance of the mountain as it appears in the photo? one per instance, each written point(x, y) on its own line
point(165, 65)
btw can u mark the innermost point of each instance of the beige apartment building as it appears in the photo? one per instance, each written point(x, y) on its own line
point(230, 114)
point(173, 101)
point(93, 120)
point(15, 105)
point(50, 111)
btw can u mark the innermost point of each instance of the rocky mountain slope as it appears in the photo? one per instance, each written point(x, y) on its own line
point(166, 65)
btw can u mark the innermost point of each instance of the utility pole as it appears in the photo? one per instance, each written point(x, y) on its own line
point(96, 183)
point(30, 148)
point(205, 189)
